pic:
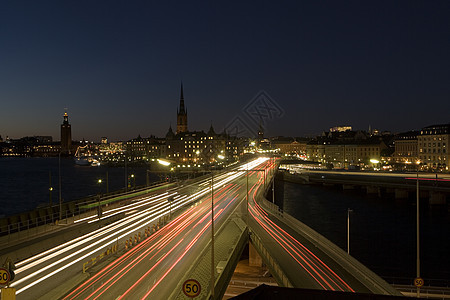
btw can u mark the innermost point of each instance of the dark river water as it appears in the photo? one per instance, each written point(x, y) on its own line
point(382, 230)
point(25, 182)
point(382, 234)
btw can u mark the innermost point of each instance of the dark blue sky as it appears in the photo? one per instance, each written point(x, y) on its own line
point(117, 65)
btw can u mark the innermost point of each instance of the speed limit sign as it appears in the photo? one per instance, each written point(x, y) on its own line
point(4, 276)
point(191, 288)
point(418, 282)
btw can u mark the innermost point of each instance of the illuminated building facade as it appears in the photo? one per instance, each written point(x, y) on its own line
point(352, 149)
point(406, 147)
point(433, 147)
point(145, 148)
point(197, 147)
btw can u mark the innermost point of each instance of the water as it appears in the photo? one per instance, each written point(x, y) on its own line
point(25, 182)
point(382, 230)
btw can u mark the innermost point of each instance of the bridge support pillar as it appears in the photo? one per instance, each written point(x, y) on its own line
point(424, 194)
point(390, 191)
point(437, 198)
point(348, 187)
point(254, 260)
point(371, 189)
point(401, 194)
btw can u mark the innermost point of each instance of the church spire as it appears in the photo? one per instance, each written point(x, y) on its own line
point(182, 109)
point(182, 114)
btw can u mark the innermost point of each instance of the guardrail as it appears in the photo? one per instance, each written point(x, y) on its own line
point(274, 266)
point(27, 228)
point(45, 219)
point(94, 260)
point(372, 281)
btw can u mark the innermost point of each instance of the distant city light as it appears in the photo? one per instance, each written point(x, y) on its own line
point(163, 162)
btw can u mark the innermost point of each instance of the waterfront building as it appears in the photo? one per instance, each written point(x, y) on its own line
point(290, 146)
point(198, 148)
point(145, 148)
point(406, 148)
point(433, 147)
point(346, 149)
point(112, 152)
point(46, 149)
point(340, 128)
point(66, 136)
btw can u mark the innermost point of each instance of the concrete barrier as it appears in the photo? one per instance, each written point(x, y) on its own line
point(51, 239)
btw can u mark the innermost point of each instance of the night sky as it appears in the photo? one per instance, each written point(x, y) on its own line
point(117, 65)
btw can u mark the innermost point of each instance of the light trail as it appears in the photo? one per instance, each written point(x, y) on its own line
point(316, 268)
point(191, 214)
point(60, 258)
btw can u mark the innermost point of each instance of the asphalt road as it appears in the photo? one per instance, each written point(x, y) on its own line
point(151, 268)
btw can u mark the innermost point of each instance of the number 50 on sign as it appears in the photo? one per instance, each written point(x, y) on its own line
point(191, 288)
point(4, 276)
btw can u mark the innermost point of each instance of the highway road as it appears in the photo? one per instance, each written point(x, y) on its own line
point(40, 274)
point(154, 266)
point(305, 265)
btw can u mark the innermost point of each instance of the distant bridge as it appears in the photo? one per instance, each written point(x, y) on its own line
point(434, 186)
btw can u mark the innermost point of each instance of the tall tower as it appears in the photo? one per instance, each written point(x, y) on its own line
point(260, 131)
point(66, 135)
point(181, 115)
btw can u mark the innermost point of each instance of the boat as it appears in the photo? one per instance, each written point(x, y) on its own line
point(82, 160)
point(85, 159)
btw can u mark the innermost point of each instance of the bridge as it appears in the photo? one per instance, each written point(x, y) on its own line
point(147, 246)
point(433, 186)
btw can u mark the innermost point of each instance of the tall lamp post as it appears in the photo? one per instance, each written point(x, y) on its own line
point(273, 188)
point(126, 173)
point(134, 181)
point(59, 175)
point(50, 188)
point(417, 231)
point(348, 229)
point(246, 175)
point(212, 236)
point(99, 208)
point(107, 182)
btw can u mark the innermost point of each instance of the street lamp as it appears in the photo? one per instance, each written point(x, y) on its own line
point(50, 188)
point(107, 182)
point(375, 161)
point(59, 175)
point(212, 236)
point(126, 172)
point(273, 188)
point(134, 181)
point(246, 175)
point(348, 229)
point(170, 199)
point(99, 208)
point(417, 230)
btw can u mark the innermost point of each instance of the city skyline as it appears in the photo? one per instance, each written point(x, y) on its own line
point(117, 70)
